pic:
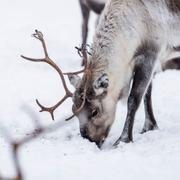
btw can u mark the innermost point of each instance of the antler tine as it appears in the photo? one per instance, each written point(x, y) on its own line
point(82, 51)
point(39, 35)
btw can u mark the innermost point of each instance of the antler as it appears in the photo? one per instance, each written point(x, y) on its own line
point(38, 35)
point(83, 52)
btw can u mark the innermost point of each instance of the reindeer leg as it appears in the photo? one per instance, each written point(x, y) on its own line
point(172, 64)
point(150, 122)
point(85, 13)
point(145, 59)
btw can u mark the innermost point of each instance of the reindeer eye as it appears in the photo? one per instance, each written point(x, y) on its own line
point(95, 112)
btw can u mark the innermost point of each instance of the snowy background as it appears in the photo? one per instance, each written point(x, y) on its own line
point(64, 155)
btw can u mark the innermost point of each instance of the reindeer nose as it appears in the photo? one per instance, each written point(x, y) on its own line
point(100, 143)
point(83, 132)
point(85, 135)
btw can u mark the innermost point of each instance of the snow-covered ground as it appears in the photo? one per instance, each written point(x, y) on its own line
point(64, 155)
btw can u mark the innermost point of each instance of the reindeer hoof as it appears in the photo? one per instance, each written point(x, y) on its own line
point(122, 139)
point(149, 128)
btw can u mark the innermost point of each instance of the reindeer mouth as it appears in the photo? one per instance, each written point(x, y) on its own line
point(97, 141)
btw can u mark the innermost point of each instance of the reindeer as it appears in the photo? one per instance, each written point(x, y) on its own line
point(133, 41)
point(86, 6)
point(97, 7)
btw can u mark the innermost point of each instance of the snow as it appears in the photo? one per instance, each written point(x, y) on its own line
point(64, 154)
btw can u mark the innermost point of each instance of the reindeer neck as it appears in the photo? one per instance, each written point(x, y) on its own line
point(111, 52)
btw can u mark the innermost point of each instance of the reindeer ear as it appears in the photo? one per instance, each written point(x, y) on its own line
point(74, 80)
point(101, 84)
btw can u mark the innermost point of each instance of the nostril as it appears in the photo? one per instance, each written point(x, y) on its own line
point(83, 133)
point(100, 143)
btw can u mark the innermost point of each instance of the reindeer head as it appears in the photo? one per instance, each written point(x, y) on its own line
point(95, 119)
point(97, 113)
point(91, 103)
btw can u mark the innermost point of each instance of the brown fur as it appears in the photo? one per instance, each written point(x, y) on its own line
point(173, 6)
